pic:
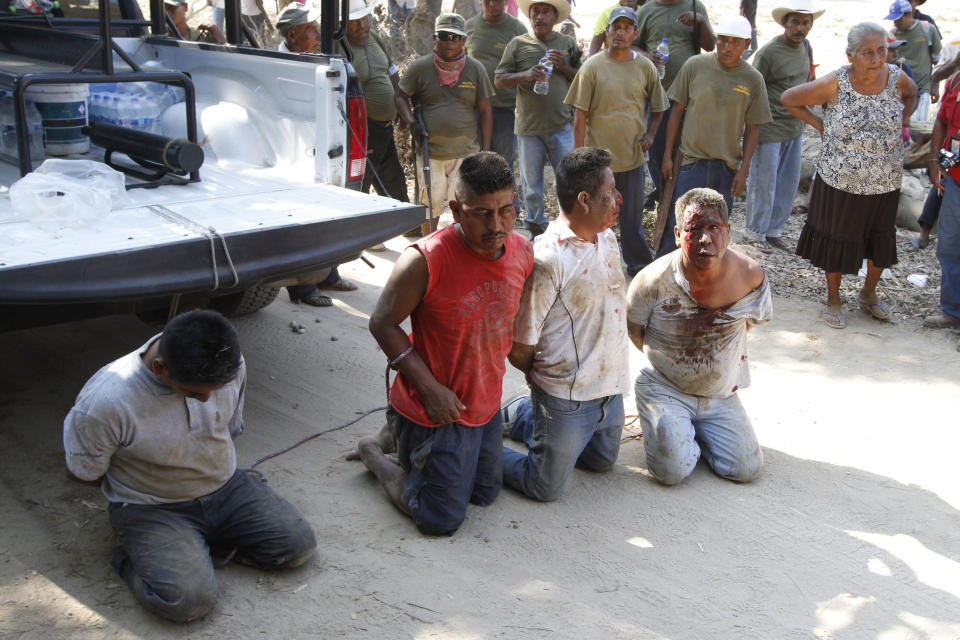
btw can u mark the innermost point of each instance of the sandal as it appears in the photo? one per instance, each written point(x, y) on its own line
point(877, 309)
point(316, 299)
point(919, 243)
point(340, 285)
point(798, 209)
point(833, 319)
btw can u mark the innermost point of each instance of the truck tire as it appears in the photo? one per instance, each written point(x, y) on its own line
point(245, 302)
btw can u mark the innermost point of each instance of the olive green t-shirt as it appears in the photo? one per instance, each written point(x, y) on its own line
point(372, 64)
point(782, 67)
point(486, 43)
point(538, 115)
point(450, 113)
point(718, 102)
point(616, 96)
point(918, 51)
point(656, 21)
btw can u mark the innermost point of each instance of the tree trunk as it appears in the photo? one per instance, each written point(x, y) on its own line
point(466, 8)
point(420, 26)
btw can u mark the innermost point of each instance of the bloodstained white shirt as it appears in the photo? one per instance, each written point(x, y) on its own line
point(574, 310)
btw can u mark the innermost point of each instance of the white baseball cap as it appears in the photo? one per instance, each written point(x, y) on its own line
point(361, 8)
point(735, 26)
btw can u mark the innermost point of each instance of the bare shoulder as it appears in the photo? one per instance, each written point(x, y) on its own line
point(411, 264)
point(745, 270)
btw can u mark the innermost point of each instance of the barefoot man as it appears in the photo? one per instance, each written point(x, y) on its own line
point(689, 313)
point(461, 288)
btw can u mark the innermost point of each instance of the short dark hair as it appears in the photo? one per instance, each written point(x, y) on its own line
point(580, 170)
point(200, 347)
point(482, 173)
point(701, 197)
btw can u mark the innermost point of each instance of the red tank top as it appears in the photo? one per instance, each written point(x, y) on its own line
point(949, 113)
point(463, 327)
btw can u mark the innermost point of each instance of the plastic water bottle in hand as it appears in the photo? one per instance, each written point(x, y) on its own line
point(663, 54)
point(542, 86)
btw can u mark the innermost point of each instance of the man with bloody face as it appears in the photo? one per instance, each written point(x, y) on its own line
point(725, 101)
point(689, 313)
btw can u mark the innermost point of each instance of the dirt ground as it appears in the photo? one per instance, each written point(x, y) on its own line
point(852, 530)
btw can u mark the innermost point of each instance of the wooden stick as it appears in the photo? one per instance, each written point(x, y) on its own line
point(666, 197)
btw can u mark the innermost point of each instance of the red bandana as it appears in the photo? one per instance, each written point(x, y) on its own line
point(449, 70)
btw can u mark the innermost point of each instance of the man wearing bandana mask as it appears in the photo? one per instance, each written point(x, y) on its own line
point(454, 93)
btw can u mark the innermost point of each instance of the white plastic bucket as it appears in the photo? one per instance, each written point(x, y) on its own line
point(64, 111)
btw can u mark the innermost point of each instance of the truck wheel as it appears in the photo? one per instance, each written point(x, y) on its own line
point(245, 302)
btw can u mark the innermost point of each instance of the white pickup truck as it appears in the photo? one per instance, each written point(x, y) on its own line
point(283, 137)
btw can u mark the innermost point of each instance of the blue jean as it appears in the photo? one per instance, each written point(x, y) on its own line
point(448, 467)
point(504, 142)
point(713, 174)
point(397, 18)
point(535, 152)
point(931, 208)
point(633, 244)
point(164, 553)
point(559, 435)
point(300, 291)
point(773, 182)
point(948, 249)
point(677, 427)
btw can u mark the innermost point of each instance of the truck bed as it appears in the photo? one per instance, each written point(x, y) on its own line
point(261, 224)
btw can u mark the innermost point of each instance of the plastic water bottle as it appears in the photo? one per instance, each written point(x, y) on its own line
point(35, 131)
point(541, 87)
point(663, 54)
point(135, 115)
point(151, 114)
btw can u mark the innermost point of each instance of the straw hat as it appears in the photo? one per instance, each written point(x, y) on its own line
point(797, 6)
point(562, 7)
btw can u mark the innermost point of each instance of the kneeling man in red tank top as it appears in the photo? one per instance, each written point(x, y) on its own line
point(460, 287)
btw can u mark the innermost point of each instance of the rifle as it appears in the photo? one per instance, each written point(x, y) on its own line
point(418, 114)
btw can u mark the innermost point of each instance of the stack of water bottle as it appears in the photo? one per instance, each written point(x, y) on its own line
point(8, 128)
point(134, 105)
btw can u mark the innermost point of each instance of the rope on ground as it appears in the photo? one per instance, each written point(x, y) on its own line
point(629, 420)
point(309, 438)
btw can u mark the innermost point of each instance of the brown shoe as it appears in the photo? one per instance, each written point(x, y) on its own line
point(941, 321)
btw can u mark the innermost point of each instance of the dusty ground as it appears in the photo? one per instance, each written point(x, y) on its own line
point(851, 531)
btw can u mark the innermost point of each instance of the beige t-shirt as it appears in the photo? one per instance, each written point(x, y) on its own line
point(616, 96)
point(151, 444)
point(449, 112)
point(782, 67)
point(573, 309)
point(656, 21)
point(538, 115)
point(697, 351)
point(486, 43)
point(719, 102)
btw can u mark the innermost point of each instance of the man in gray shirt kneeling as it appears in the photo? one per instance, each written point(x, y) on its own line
point(154, 430)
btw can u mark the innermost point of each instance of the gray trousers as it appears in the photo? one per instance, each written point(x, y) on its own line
point(164, 552)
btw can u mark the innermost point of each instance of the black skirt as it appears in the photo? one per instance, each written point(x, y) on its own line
point(844, 228)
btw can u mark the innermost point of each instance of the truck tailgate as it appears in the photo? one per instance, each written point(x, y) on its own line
point(189, 242)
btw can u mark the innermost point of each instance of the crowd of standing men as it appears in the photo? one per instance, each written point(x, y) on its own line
point(154, 428)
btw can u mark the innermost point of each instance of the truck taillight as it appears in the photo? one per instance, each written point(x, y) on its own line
point(358, 138)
